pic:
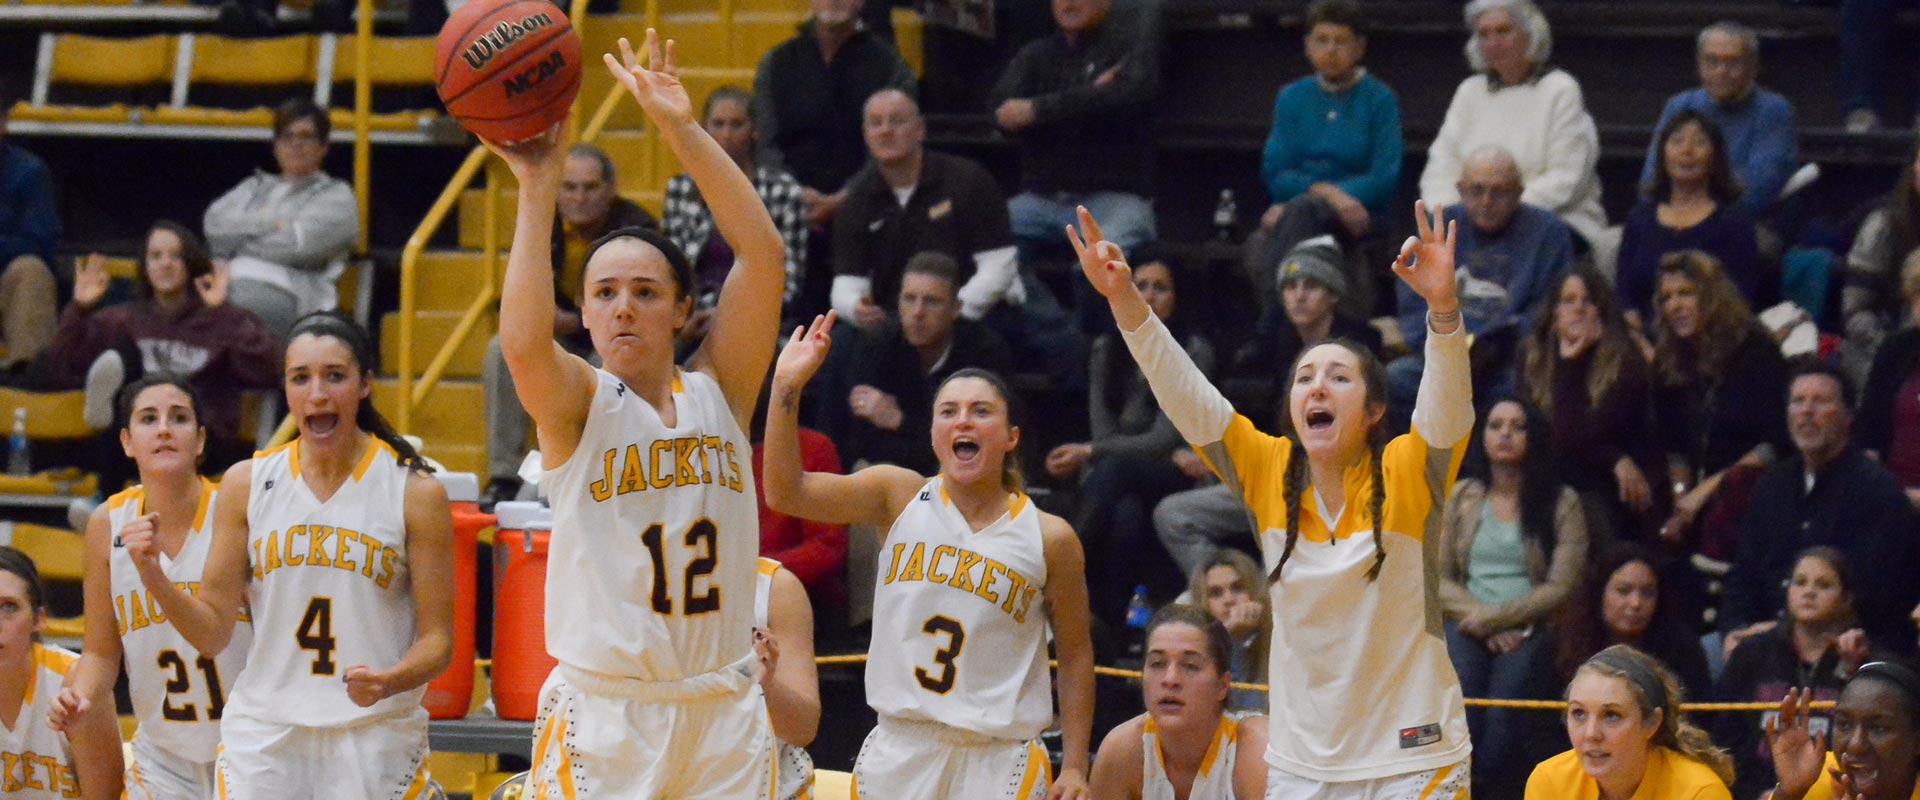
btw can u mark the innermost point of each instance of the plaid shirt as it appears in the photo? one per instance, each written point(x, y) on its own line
point(688, 223)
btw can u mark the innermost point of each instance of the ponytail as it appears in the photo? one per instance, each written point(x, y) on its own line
point(359, 343)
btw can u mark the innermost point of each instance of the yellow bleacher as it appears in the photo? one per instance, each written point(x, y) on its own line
point(71, 59)
point(219, 61)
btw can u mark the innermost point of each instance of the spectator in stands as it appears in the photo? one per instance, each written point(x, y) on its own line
point(1086, 95)
point(285, 237)
point(1827, 492)
point(589, 206)
point(951, 205)
point(29, 233)
point(1135, 457)
point(1815, 648)
point(1758, 124)
point(1865, 27)
point(1622, 601)
point(1230, 585)
point(1312, 290)
point(181, 323)
point(1513, 545)
point(1693, 203)
point(1889, 424)
point(1870, 303)
point(1332, 159)
point(807, 96)
point(881, 412)
point(815, 552)
point(1194, 524)
point(1719, 393)
point(1533, 109)
point(1581, 365)
point(1630, 737)
point(1507, 252)
point(686, 220)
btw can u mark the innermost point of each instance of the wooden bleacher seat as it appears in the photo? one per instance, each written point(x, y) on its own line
point(217, 61)
point(60, 556)
point(393, 62)
point(51, 416)
point(95, 63)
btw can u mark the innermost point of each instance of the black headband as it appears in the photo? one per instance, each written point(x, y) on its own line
point(1906, 679)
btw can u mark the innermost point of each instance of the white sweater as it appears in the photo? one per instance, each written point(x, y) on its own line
point(1545, 124)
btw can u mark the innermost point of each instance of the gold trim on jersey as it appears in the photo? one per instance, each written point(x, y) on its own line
point(1037, 767)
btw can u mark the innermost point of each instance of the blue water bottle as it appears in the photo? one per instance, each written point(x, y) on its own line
point(1139, 611)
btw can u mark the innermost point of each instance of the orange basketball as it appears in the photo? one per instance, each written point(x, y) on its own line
point(507, 69)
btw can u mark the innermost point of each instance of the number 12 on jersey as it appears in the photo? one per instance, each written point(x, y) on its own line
point(699, 537)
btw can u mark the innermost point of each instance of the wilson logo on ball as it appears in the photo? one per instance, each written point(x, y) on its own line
point(503, 35)
point(536, 75)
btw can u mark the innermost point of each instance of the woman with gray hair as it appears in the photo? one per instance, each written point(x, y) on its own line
point(1519, 101)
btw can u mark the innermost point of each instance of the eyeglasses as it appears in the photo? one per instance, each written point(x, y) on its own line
point(1477, 191)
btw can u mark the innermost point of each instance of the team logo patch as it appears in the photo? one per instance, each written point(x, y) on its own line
point(1419, 736)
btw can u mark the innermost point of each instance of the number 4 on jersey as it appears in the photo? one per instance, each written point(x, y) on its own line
point(316, 633)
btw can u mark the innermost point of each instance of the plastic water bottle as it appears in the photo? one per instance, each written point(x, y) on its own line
point(1225, 214)
point(19, 460)
point(1139, 611)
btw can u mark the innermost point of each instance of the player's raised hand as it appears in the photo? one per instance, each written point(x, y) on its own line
point(1105, 266)
point(805, 351)
point(366, 687)
point(1425, 261)
point(1798, 753)
point(538, 161)
point(69, 707)
point(654, 82)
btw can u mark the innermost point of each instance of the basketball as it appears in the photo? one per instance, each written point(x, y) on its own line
point(507, 69)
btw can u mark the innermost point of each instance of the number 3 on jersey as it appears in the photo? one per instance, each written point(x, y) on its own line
point(956, 639)
point(700, 538)
point(316, 633)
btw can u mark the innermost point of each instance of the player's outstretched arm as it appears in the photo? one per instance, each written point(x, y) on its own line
point(1249, 763)
point(206, 617)
point(90, 681)
point(556, 387)
point(1068, 614)
point(1190, 401)
point(793, 687)
point(430, 571)
point(737, 350)
point(97, 756)
point(1443, 409)
point(872, 496)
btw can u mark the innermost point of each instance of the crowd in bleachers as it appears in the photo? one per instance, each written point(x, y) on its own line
point(1660, 459)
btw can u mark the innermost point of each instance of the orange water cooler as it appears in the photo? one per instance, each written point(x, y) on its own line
point(520, 660)
point(451, 693)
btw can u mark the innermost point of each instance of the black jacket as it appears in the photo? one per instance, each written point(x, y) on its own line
point(806, 112)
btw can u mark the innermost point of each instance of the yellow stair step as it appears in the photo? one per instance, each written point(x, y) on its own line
point(459, 457)
point(448, 280)
point(455, 414)
point(430, 331)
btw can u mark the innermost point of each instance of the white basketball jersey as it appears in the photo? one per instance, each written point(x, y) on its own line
point(36, 762)
point(656, 534)
point(793, 766)
point(1214, 780)
point(959, 621)
point(330, 591)
point(178, 694)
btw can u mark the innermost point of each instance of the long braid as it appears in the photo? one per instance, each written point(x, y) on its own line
point(1293, 487)
point(1377, 498)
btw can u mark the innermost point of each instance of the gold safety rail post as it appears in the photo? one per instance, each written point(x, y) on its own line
point(362, 106)
point(414, 392)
